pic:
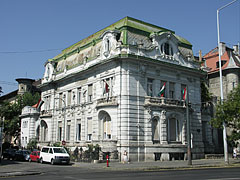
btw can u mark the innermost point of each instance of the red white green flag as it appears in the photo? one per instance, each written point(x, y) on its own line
point(162, 90)
point(106, 88)
point(184, 94)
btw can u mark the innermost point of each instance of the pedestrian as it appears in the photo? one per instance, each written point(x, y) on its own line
point(234, 153)
point(125, 157)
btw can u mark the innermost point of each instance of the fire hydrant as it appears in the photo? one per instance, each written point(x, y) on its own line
point(107, 161)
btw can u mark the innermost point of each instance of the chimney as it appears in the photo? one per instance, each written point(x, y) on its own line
point(222, 48)
point(200, 56)
point(235, 49)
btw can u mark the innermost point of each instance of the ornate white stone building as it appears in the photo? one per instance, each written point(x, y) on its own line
point(105, 90)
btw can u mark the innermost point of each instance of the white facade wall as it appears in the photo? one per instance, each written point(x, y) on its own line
point(126, 108)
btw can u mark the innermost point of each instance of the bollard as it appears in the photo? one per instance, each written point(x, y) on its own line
point(107, 161)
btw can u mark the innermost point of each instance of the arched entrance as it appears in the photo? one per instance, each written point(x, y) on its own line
point(105, 125)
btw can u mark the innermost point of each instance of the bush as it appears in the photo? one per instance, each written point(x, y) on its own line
point(32, 144)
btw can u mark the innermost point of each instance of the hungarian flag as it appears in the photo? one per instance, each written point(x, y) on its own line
point(39, 104)
point(106, 88)
point(184, 94)
point(161, 93)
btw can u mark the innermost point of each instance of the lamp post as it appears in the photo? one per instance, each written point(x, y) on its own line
point(221, 85)
point(64, 118)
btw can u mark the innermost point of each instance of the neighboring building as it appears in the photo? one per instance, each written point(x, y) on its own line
point(230, 61)
point(105, 90)
point(24, 85)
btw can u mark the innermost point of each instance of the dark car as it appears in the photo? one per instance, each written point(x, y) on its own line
point(9, 154)
point(34, 156)
point(22, 155)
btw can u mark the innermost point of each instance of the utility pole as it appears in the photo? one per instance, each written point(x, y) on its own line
point(189, 154)
point(221, 85)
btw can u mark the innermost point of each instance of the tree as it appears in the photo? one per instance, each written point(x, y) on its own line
point(10, 113)
point(229, 112)
point(1, 90)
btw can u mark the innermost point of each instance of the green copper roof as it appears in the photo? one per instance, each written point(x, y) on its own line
point(125, 23)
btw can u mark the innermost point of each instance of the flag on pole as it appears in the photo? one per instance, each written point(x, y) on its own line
point(184, 93)
point(162, 90)
point(39, 104)
point(106, 88)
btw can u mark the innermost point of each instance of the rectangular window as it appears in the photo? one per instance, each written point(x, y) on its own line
point(78, 132)
point(68, 130)
point(89, 128)
point(59, 131)
point(69, 98)
point(107, 129)
point(79, 96)
point(90, 92)
point(171, 90)
point(60, 100)
point(150, 87)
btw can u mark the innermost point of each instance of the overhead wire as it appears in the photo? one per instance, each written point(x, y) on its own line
point(32, 51)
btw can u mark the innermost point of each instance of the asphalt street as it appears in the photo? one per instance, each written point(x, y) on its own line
point(58, 172)
point(179, 170)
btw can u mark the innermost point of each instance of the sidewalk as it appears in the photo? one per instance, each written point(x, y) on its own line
point(161, 165)
point(11, 168)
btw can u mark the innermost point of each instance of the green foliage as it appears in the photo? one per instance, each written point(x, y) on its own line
point(93, 152)
point(205, 95)
point(57, 144)
point(1, 90)
point(11, 111)
point(32, 144)
point(229, 112)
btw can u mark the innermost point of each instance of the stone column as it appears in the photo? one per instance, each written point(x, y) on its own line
point(163, 122)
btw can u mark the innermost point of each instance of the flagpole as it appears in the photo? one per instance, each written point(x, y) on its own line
point(189, 154)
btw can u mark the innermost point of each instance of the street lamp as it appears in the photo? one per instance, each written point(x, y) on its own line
point(221, 86)
point(64, 118)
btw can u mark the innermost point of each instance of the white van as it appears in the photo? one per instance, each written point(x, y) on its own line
point(54, 155)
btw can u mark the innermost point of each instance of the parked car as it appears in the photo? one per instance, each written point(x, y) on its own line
point(22, 155)
point(9, 154)
point(34, 156)
point(54, 155)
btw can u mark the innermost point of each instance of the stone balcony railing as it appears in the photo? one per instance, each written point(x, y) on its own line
point(156, 101)
point(107, 101)
point(46, 113)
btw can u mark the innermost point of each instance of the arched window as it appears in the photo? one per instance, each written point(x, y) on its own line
point(174, 130)
point(166, 48)
point(44, 131)
point(155, 130)
point(105, 127)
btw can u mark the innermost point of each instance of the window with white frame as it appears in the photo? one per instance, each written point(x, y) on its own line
point(60, 100)
point(79, 95)
point(78, 131)
point(107, 128)
point(89, 128)
point(69, 98)
point(150, 87)
point(90, 93)
point(174, 130)
point(68, 138)
point(155, 130)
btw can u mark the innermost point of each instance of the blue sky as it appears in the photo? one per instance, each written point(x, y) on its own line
point(33, 31)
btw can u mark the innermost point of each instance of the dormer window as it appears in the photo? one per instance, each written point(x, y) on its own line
point(166, 48)
point(222, 63)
